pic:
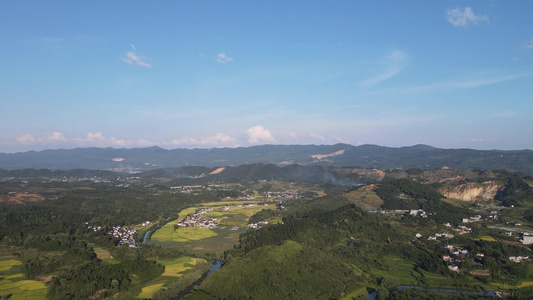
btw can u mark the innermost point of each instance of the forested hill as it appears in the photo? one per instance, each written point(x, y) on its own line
point(368, 156)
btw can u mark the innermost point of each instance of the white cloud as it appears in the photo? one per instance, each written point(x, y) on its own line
point(133, 59)
point(258, 134)
point(454, 85)
point(26, 139)
point(478, 140)
point(464, 17)
point(223, 58)
point(291, 135)
point(216, 140)
point(394, 62)
point(91, 139)
point(56, 137)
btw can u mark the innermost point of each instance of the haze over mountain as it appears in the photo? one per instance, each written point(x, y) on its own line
point(368, 156)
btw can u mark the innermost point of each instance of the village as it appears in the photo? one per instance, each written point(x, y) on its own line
point(197, 219)
point(126, 235)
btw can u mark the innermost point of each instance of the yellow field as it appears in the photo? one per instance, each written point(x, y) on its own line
point(19, 275)
point(236, 216)
point(175, 268)
point(235, 202)
point(102, 253)
point(17, 286)
point(148, 291)
point(185, 212)
point(185, 234)
point(105, 255)
point(7, 264)
point(23, 289)
point(525, 284)
point(487, 238)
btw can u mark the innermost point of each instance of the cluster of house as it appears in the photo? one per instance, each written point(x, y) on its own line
point(187, 189)
point(461, 229)
point(94, 228)
point(94, 179)
point(197, 219)
point(258, 224)
point(286, 195)
point(146, 223)
point(459, 254)
point(473, 219)
point(518, 258)
point(440, 235)
point(418, 213)
point(527, 238)
point(412, 212)
point(125, 234)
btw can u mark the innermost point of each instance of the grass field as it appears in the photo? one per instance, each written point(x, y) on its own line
point(365, 198)
point(487, 238)
point(185, 234)
point(105, 255)
point(399, 269)
point(176, 268)
point(13, 282)
point(7, 264)
point(148, 291)
point(525, 284)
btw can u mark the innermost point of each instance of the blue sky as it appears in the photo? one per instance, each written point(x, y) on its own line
point(187, 74)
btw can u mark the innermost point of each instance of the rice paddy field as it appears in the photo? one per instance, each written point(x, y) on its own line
point(233, 221)
point(149, 290)
point(174, 268)
point(177, 267)
point(14, 284)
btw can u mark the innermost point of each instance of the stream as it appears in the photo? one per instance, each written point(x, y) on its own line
point(145, 236)
point(215, 265)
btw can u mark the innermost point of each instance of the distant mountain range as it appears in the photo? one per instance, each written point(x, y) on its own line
point(338, 155)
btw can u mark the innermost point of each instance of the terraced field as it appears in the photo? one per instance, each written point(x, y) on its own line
point(14, 283)
point(174, 268)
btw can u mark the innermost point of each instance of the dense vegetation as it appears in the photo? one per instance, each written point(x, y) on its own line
point(326, 239)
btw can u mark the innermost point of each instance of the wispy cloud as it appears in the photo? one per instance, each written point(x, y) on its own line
point(215, 140)
point(529, 44)
point(465, 16)
point(478, 140)
point(258, 134)
point(91, 139)
point(469, 84)
point(394, 62)
point(223, 58)
point(133, 59)
point(26, 139)
point(29, 139)
point(294, 136)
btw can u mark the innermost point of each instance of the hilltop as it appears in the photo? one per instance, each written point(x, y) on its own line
point(338, 155)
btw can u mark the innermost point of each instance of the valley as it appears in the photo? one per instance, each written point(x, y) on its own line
point(433, 229)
